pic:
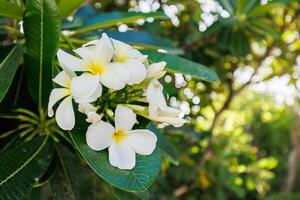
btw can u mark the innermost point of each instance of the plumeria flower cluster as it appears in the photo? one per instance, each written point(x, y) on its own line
point(112, 83)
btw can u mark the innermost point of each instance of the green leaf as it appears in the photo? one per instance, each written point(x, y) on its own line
point(41, 28)
point(165, 145)
point(122, 195)
point(71, 180)
point(240, 44)
point(67, 7)
point(113, 18)
point(8, 69)
point(10, 9)
point(136, 180)
point(181, 65)
point(22, 166)
point(251, 5)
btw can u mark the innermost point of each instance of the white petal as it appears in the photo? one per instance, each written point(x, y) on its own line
point(142, 141)
point(125, 118)
point(85, 53)
point(153, 110)
point(136, 69)
point(93, 97)
point(99, 135)
point(96, 94)
point(103, 51)
point(175, 121)
point(67, 60)
point(154, 93)
point(55, 96)
point(64, 115)
point(115, 76)
point(84, 86)
point(155, 70)
point(62, 79)
point(169, 110)
point(123, 48)
point(121, 155)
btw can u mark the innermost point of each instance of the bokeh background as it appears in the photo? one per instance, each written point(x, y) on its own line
point(243, 136)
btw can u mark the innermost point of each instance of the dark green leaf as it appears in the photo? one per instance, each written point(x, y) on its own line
point(113, 18)
point(181, 65)
point(71, 180)
point(67, 7)
point(240, 44)
point(8, 68)
point(122, 195)
point(41, 28)
point(251, 5)
point(22, 166)
point(10, 9)
point(165, 145)
point(138, 179)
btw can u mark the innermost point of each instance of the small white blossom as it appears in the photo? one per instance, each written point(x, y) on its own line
point(90, 111)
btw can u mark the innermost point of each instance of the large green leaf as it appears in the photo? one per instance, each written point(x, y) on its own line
point(41, 28)
point(122, 195)
point(138, 179)
point(71, 180)
point(8, 68)
point(181, 65)
point(105, 20)
point(165, 145)
point(22, 166)
point(67, 7)
point(10, 9)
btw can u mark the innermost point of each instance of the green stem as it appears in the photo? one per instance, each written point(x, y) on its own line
point(8, 133)
point(69, 42)
point(25, 132)
point(28, 112)
point(27, 119)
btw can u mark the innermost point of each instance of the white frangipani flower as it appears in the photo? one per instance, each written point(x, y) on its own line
point(158, 109)
point(64, 115)
point(96, 64)
point(122, 142)
point(129, 57)
point(132, 60)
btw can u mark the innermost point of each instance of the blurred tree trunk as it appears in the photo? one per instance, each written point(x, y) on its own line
point(294, 154)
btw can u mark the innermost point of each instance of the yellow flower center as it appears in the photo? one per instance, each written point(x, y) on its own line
point(96, 68)
point(119, 135)
point(120, 57)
